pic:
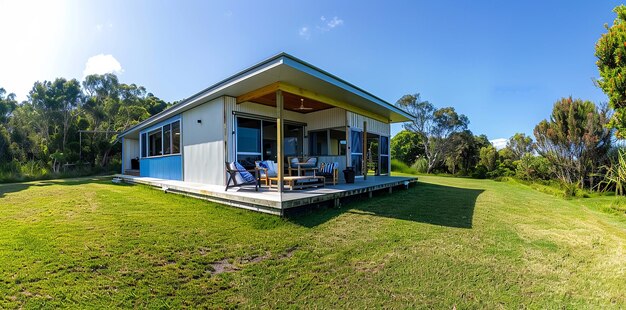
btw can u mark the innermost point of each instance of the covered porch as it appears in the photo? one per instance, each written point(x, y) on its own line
point(281, 122)
point(271, 201)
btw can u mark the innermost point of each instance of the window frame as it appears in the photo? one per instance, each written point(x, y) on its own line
point(145, 134)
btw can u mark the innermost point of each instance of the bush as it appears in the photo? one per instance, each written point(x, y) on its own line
point(15, 171)
point(480, 172)
point(420, 165)
point(398, 166)
point(531, 167)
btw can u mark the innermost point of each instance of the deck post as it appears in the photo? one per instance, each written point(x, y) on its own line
point(279, 139)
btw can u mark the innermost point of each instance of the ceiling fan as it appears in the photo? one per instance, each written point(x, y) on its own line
point(302, 107)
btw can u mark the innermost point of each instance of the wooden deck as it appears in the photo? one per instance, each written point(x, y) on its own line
point(269, 200)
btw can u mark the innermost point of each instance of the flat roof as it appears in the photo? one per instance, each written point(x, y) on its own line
point(283, 68)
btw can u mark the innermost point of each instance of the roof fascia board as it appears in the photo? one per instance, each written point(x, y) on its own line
point(332, 79)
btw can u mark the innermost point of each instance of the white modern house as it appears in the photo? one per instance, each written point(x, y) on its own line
point(279, 108)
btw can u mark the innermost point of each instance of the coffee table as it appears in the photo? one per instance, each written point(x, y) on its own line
point(299, 182)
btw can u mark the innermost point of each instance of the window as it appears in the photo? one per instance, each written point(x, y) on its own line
point(155, 141)
point(256, 140)
point(167, 139)
point(356, 146)
point(144, 143)
point(176, 137)
point(164, 140)
point(384, 155)
point(318, 143)
point(337, 142)
point(327, 142)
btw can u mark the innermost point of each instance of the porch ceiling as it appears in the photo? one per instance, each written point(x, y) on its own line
point(293, 102)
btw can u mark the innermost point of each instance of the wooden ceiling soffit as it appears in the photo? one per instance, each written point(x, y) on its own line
point(271, 88)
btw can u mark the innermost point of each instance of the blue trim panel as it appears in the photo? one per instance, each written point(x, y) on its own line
point(165, 167)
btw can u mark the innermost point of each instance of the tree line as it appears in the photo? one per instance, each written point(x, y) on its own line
point(576, 145)
point(572, 146)
point(40, 135)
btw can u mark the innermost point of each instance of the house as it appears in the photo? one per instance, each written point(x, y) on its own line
point(279, 108)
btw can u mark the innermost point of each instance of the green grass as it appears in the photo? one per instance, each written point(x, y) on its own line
point(88, 243)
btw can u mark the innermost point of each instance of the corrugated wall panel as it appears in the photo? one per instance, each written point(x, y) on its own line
point(330, 118)
point(165, 167)
point(373, 126)
point(130, 151)
point(203, 143)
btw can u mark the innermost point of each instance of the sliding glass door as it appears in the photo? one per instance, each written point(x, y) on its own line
point(257, 140)
point(248, 141)
point(356, 150)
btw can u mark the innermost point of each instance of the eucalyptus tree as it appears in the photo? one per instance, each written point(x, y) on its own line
point(435, 126)
point(519, 145)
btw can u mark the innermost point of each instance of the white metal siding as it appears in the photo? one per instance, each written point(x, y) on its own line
point(131, 150)
point(330, 118)
point(203, 143)
point(373, 126)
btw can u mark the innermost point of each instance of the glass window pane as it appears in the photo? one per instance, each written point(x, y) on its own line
point(247, 161)
point(357, 163)
point(176, 137)
point(293, 140)
point(155, 142)
point(337, 142)
point(384, 164)
point(356, 142)
point(248, 135)
point(384, 145)
point(318, 143)
point(167, 147)
point(144, 143)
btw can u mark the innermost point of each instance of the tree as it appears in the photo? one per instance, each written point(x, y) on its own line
point(435, 126)
point(611, 54)
point(406, 147)
point(489, 157)
point(519, 145)
point(575, 140)
point(7, 105)
point(465, 152)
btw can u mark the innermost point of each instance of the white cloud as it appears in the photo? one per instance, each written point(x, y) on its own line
point(304, 32)
point(101, 64)
point(334, 22)
point(324, 25)
point(499, 143)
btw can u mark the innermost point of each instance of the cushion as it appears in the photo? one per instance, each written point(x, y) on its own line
point(294, 162)
point(328, 168)
point(310, 163)
point(247, 176)
point(271, 168)
point(238, 178)
point(263, 164)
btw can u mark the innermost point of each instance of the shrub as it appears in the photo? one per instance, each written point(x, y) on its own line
point(398, 166)
point(531, 167)
point(420, 165)
point(480, 172)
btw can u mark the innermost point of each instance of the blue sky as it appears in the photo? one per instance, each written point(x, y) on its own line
point(502, 63)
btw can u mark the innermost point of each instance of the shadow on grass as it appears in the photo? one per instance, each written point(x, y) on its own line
point(425, 203)
point(8, 188)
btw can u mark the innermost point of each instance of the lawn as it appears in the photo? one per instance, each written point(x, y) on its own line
point(88, 243)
